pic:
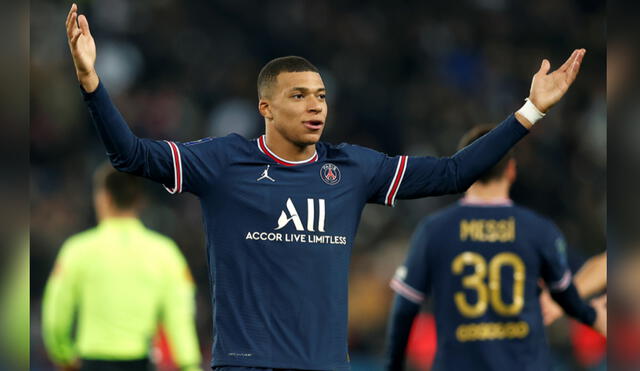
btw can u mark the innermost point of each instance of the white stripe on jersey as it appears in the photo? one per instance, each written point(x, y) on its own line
point(177, 169)
point(406, 291)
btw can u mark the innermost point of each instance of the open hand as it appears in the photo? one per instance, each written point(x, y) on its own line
point(548, 88)
point(83, 48)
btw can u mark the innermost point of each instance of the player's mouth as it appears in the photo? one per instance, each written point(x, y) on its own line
point(313, 124)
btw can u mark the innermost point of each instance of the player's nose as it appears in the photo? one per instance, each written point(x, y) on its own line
point(314, 106)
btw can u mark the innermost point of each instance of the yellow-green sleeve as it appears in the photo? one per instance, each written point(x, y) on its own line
point(58, 308)
point(178, 313)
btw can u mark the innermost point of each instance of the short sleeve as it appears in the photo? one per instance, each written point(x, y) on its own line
point(411, 280)
point(555, 268)
point(196, 165)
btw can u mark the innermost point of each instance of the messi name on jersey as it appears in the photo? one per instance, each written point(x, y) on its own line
point(488, 230)
point(314, 223)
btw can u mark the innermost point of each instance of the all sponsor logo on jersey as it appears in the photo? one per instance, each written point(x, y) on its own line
point(330, 174)
point(293, 216)
point(315, 222)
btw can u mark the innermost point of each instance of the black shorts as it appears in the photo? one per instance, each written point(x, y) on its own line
point(101, 365)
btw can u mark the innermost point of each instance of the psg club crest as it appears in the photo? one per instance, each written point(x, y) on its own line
point(330, 174)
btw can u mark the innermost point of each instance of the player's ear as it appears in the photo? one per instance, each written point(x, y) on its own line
point(100, 203)
point(265, 109)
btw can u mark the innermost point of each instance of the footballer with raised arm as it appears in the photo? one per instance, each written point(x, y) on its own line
point(280, 212)
point(481, 261)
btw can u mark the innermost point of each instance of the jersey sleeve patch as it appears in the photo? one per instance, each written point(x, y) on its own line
point(406, 291)
point(177, 169)
point(390, 198)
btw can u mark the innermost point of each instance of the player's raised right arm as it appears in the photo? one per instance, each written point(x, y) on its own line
point(83, 49)
point(156, 160)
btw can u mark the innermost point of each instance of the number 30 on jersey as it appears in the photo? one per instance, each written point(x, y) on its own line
point(489, 292)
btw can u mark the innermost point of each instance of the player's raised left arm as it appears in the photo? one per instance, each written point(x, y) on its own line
point(431, 176)
point(548, 88)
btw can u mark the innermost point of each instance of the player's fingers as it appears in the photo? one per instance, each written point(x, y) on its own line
point(74, 38)
point(72, 10)
point(71, 26)
point(575, 67)
point(544, 67)
point(565, 66)
point(84, 25)
point(66, 21)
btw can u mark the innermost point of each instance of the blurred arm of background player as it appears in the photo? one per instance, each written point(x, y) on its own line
point(60, 302)
point(177, 315)
point(590, 280)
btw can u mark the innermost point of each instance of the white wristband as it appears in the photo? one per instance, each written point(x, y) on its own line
point(531, 112)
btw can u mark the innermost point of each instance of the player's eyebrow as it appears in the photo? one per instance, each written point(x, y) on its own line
point(306, 90)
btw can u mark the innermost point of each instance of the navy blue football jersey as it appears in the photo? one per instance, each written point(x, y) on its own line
point(279, 237)
point(481, 264)
point(279, 233)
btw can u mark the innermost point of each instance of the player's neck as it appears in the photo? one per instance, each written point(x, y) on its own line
point(495, 190)
point(114, 214)
point(287, 150)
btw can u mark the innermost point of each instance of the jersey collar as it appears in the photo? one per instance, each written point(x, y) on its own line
point(476, 201)
point(262, 146)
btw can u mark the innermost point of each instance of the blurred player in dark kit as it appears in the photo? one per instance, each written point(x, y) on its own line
point(481, 260)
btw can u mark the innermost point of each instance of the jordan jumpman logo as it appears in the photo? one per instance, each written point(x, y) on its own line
point(265, 174)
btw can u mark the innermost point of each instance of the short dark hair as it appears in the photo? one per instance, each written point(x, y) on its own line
point(125, 190)
point(269, 73)
point(498, 169)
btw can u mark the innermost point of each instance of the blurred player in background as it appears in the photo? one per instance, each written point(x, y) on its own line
point(481, 261)
point(281, 211)
point(119, 282)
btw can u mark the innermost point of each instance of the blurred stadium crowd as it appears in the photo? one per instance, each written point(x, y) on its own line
point(404, 77)
point(623, 234)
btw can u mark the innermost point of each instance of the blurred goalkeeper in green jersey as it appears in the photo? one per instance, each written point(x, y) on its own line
point(118, 282)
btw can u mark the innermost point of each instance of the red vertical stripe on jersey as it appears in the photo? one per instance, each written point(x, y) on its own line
point(397, 179)
point(177, 168)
